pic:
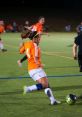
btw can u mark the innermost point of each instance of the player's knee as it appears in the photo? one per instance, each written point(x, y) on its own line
point(41, 86)
point(45, 85)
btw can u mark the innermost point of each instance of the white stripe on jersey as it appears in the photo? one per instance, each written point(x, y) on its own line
point(27, 53)
point(36, 50)
point(36, 53)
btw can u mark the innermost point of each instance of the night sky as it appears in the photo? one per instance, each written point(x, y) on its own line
point(60, 11)
point(43, 3)
point(43, 7)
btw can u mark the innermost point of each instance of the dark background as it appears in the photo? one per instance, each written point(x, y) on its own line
point(58, 13)
point(43, 3)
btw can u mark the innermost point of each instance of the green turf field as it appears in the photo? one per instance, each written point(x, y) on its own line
point(59, 64)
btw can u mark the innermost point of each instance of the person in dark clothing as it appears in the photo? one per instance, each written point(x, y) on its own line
point(79, 28)
point(77, 50)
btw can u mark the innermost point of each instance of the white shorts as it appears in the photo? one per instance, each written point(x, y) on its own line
point(36, 74)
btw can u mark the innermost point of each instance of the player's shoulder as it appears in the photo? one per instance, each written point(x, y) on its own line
point(38, 24)
point(78, 39)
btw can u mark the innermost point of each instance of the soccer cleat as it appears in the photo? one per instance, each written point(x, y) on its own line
point(19, 63)
point(55, 102)
point(25, 90)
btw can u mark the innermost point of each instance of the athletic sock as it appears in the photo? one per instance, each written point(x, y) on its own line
point(33, 87)
point(30, 88)
point(49, 93)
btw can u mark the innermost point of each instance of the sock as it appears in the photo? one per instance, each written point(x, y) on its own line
point(31, 88)
point(34, 87)
point(49, 93)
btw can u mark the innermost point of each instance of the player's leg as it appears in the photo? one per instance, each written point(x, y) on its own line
point(80, 62)
point(43, 83)
point(36, 75)
point(48, 90)
point(2, 48)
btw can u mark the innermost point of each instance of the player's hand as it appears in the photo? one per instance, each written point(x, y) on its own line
point(19, 63)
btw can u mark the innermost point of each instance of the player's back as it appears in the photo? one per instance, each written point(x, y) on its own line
point(33, 54)
point(38, 27)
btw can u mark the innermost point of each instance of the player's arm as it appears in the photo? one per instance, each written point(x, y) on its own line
point(23, 59)
point(28, 27)
point(40, 31)
point(75, 54)
point(22, 48)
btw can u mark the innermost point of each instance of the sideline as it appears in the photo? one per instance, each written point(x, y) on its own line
point(54, 76)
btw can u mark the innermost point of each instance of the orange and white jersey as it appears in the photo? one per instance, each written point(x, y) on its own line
point(33, 54)
point(37, 27)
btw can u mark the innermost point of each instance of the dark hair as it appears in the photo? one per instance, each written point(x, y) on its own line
point(41, 17)
point(33, 34)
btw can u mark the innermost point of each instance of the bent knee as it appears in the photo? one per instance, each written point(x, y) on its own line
point(45, 85)
point(44, 82)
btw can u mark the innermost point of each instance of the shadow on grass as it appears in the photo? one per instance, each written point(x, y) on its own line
point(17, 92)
point(62, 88)
point(17, 103)
point(79, 102)
point(11, 93)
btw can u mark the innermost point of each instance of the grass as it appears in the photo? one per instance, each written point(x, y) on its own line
point(57, 57)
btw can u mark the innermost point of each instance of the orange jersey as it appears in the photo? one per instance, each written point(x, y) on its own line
point(38, 27)
point(33, 54)
point(1, 29)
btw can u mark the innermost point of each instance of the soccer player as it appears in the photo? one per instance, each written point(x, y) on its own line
point(1, 42)
point(35, 70)
point(25, 32)
point(2, 46)
point(36, 27)
point(79, 28)
point(77, 50)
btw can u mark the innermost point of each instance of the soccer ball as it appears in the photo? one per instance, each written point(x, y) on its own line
point(71, 99)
